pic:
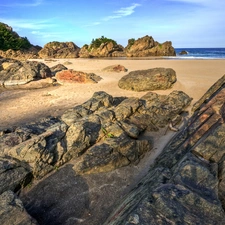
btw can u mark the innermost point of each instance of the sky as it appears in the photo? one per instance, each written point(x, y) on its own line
point(187, 23)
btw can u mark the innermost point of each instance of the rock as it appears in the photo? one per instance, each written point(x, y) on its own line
point(104, 137)
point(31, 53)
point(187, 181)
point(113, 153)
point(160, 110)
point(183, 52)
point(99, 100)
point(14, 174)
point(213, 89)
point(12, 210)
point(148, 80)
point(40, 145)
point(72, 76)
point(20, 73)
point(115, 68)
point(107, 49)
point(57, 68)
point(82, 132)
point(59, 50)
point(147, 46)
point(6, 62)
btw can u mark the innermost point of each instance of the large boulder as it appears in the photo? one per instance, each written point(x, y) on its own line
point(72, 76)
point(148, 80)
point(18, 73)
point(186, 183)
point(147, 46)
point(59, 50)
point(12, 211)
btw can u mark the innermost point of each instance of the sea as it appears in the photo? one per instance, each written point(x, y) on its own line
point(200, 53)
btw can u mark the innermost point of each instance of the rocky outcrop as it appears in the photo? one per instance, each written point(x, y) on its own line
point(147, 46)
point(186, 184)
point(148, 80)
point(18, 74)
point(59, 50)
point(72, 76)
point(102, 134)
point(115, 68)
point(103, 126)
point(31, 53)
point(107, 49)
point(12, 211)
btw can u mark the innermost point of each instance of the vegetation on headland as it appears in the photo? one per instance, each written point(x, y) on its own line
point(10, 39)
point(130, 43)
point(98, 41)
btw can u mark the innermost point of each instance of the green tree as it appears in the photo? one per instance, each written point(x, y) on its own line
point(10, 40)
point(98, 41)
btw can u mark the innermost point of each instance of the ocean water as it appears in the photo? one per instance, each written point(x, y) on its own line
point(201, 53)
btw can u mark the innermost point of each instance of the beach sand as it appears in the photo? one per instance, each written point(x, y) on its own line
point(17, 107)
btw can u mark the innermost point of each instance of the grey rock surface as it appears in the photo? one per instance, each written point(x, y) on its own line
point(148, 80)
point(186, 183)
point(13, 212)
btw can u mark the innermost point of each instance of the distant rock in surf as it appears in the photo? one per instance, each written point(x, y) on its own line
point(183, 52)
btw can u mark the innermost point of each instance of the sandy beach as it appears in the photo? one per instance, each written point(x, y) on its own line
point(17, 107)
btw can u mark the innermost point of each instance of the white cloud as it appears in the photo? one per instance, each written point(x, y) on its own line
point(122, 12)
point(18, 24)
point(32, 4)
point(191, 1)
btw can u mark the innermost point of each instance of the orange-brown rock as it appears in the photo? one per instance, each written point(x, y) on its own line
point(72, 76)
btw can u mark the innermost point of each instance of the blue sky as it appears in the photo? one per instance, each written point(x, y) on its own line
point(187, 23)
